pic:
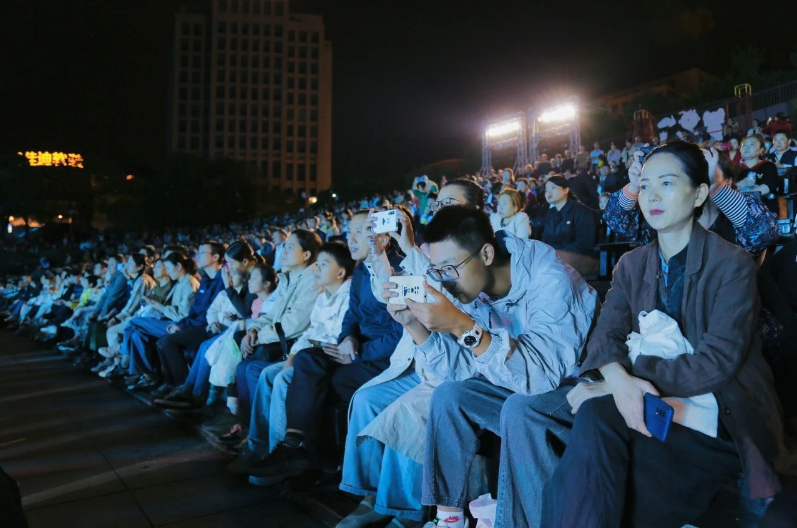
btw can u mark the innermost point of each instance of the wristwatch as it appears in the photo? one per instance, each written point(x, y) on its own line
point(472, 337)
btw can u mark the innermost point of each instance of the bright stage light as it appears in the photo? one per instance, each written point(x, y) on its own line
point(503, 129)
point(313, 199)
point(560, 113)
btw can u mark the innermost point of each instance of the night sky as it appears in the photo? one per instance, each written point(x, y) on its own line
point(413, 80)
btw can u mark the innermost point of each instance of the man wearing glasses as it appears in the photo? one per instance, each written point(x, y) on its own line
point(517, 325)
point(516, 322)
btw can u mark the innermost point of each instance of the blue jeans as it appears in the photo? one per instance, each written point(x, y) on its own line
point(246, 376)
point(199, 375)
point(140, 337)
point(371, 468)
point(260, 423)
point(460, 412)
point(534, 433)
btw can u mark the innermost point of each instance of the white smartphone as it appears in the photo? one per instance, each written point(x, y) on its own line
point(386, 221)
point(409, 287)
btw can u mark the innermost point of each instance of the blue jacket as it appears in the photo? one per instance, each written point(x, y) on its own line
point(208, 289)
point(115, 295)
point(367, 320)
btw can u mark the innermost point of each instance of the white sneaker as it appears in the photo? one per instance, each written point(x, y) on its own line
point(104, 373)
point(441, 523)
point(108, 352)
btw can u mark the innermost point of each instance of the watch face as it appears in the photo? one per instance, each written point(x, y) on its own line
point(469, 341)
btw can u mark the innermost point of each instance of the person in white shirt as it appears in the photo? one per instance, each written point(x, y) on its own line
point(509, 216)
point(332, 272)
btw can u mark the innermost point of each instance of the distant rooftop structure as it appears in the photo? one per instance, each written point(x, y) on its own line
point(685, 82)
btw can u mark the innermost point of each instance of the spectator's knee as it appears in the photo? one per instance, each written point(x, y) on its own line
point(450, 395)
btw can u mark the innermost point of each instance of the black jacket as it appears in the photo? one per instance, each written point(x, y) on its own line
point(573, 228)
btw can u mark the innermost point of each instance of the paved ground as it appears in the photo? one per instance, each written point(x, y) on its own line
point(89, 455)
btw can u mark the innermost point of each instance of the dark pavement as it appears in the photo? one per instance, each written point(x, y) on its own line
point(87, 454)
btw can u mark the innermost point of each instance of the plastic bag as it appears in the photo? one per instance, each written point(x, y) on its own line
point(224, 356)
point(483, 510)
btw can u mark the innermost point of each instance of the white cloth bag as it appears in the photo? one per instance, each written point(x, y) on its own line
point(660, 336)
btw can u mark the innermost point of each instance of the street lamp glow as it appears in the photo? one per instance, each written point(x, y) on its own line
point(503, 129)
point(60, 217)
point(560, 113)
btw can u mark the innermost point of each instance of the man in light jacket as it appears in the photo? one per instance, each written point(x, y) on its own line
point(518, 324)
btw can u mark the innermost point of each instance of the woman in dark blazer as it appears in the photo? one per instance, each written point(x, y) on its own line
point(613, 471)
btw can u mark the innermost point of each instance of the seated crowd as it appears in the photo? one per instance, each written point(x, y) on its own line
point(280, 333)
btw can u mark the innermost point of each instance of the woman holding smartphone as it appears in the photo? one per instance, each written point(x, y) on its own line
point(613, 471)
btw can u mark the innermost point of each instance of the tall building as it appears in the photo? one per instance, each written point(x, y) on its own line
point(252, 81)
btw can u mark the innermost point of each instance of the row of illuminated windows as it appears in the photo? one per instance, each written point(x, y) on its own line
point(252, 7)
point(254, 127)
point(255, 77)
point(222, 44)
point(246, 77)
point(293, 67)
point(257, 30)
point(265, 143)
point(275, 94)
point(228, 110)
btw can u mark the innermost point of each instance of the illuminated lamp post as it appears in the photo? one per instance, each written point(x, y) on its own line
point(557, 120)
point(510, 131)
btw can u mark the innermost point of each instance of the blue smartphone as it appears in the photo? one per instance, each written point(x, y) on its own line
point(658, 416)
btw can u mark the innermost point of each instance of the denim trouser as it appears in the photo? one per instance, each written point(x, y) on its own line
point(199, 375)
point(534, 433)
point(246, 376)
point(371, 468)
point(139, 343)
point(267, 424)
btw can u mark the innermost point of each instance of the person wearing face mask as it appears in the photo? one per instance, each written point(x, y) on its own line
point(708, 287)
point(759, 175)
point(510, 216)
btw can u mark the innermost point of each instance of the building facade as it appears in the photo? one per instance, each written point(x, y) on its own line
point(252, 81)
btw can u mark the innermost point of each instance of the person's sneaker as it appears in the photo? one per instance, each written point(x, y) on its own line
point(68, 345)
point(444, 523)
point(221, 423)
point(282, 463)
point(245, 459)
point(107, 372)
point(143, 385)
point(182, 399)
point(161, 391)
point(362, 516)
point(132, 380)
point(108, 352)
point(102, 365)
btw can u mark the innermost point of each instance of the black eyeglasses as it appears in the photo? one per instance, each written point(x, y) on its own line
point(448, 273)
